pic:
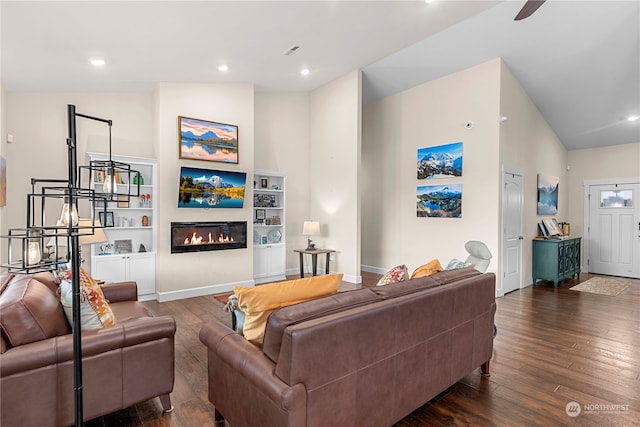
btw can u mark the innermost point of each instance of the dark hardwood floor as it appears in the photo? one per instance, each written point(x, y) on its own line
point(554, 346)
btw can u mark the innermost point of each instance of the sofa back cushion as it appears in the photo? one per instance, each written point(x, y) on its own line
point(259, 302)
point(30, 311)
point(416, 285)
point(319, 307)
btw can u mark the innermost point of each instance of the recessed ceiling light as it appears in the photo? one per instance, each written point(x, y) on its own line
point(633, 118)
point(429, 1)
point(305, 71)
point(97, 62)
point(223, 67)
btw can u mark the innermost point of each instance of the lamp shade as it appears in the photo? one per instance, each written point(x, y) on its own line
point(311, 228)
point(98, 235)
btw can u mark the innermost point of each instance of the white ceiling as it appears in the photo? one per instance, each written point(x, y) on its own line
point(579, 61)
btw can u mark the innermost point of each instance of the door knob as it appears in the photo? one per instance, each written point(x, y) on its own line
point(520, 237)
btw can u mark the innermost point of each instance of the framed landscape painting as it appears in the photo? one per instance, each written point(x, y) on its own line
point(441, 161)
point(441, 201)
point(547, 194)
point(208, 141)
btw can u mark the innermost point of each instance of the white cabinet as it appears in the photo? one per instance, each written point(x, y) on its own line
point(269, 262)
point(269, 247)
point(140, 267)
point(130, 227)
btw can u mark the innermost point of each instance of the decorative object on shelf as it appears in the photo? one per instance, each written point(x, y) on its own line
point(439, 201)
point(310, 228)
point(142, 248)
point(275, 187)
point(145, 221)
point(547, 194)
point(264, 182)
point(265, 201)
point(206, 188)
point(260, 214)
point(106, 249)
point(543, 231)
point(442, 161)
point(68, 231)
point(138, 179)
point(264, 240)
point(274, 220)
point(209, 141)
point(106, 219)
point(274, 236)
point(122, 246)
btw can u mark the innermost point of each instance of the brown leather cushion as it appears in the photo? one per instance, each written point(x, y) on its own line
point(30, 311)
point(280, 319)
point(415, 285)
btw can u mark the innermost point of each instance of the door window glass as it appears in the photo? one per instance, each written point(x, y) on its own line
point(616, 199)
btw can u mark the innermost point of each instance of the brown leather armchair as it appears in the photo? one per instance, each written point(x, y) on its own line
point(122, 365)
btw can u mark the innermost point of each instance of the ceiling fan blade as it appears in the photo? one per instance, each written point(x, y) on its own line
point(527, 10)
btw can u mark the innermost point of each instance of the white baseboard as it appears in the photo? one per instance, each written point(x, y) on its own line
point(199, 292)
point(371, 269)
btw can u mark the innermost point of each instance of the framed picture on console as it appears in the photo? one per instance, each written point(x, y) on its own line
point(206, 140)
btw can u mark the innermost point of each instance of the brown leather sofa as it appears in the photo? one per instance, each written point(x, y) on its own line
point(366, 357)
point(122, 365)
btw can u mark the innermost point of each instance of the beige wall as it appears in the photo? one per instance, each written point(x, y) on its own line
point(190, 274)
point(528, 144)
point(428, 115)
point(605, 163)
point(282, 145)
point(334, 168)
point(38, 123)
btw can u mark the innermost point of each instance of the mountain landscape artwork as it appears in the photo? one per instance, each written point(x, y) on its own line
point(441, 161)
point(203, 188)
point(547, 194)
point(441, 201)
point(209, 141)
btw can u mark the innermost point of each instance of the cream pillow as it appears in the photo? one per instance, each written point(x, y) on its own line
point(259, 302)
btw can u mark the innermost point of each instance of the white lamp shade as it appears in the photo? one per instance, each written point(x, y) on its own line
point(98, 235)
point(311, 228)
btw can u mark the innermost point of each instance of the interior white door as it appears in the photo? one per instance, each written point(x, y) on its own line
point(614, 230)
point(512, 210)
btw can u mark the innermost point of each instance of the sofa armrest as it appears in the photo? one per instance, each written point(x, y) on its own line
point(120, 291)
point(59, 349)
point(248, 361)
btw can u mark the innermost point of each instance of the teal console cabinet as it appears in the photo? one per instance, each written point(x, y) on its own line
point(554, 260)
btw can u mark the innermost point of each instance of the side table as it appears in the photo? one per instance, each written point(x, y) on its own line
point(314, 259)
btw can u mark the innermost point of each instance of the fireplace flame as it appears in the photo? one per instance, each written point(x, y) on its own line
point(199, 240)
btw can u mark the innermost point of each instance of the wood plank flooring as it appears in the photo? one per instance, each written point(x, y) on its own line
point(554, 346)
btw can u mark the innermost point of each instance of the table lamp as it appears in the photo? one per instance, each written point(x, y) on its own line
point(310, 228)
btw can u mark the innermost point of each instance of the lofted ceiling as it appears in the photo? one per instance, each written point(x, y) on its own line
point(579, 61)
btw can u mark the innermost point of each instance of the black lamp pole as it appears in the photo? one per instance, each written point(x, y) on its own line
point(75, 268)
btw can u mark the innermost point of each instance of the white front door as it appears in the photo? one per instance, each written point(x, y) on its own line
point(512, 209)
point(614, 230)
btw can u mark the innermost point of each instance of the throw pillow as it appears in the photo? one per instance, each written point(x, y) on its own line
point(95, 312)
point(456, 263)
point(259, 302)
point(399, 273)
point(427, 269)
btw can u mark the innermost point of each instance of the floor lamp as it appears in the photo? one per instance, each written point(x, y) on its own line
point(68, 229)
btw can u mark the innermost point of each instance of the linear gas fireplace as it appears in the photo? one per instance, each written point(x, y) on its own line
point(207, 236)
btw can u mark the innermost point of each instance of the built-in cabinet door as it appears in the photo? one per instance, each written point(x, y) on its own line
point(140, 268)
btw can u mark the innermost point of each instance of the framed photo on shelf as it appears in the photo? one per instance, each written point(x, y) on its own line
point(106, 221)
point(264, 240)
point(260, 214)
point(206, 140)
point(264, 182)
point(122, 246)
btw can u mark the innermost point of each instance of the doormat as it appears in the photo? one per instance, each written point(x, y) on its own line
point(602, 286)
